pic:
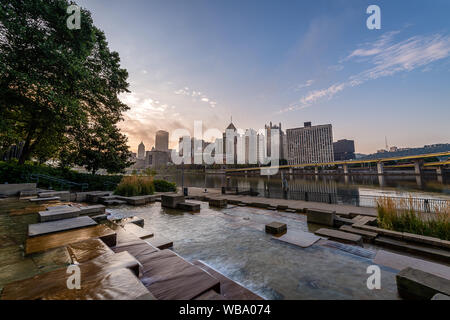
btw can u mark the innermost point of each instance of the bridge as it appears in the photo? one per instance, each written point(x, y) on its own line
point(417, 163)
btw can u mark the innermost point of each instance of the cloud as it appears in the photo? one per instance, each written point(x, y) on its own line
point(386, 59)
point(304, 85)
point(196, 96)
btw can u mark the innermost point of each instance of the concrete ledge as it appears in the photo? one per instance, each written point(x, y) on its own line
point(137, 200)
point(95, 209)
point(63, 195)
point(259, 205)
point(14, 189)
point(276, 227)
point(218, 203)
point(417, 284)
point(440, 296)
point(58, 214)
point(340, 236)
point(322, 217)
point(44, 199)
point(368, 235)
point(188, 206)
point(171, 201)
point(95, 195)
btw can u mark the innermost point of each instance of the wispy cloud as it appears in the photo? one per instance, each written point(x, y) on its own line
point(307, 84)
point(386, 59)
point(196, 96)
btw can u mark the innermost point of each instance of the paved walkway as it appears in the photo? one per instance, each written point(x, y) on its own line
point(292, 204)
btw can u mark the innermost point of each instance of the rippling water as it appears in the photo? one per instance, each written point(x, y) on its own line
point(233, 242)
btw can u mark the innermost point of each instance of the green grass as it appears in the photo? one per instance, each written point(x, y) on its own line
point(402, 217)
point(164, 186)
point(131, 186)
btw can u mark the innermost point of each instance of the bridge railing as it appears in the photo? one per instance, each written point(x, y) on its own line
point(418, 204)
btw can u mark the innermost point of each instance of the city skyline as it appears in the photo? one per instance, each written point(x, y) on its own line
point(308, 61)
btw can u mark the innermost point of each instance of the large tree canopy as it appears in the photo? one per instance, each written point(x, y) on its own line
point(54, 80)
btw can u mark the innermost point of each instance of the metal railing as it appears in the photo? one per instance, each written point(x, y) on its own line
point(37, 177)
point(418, 204)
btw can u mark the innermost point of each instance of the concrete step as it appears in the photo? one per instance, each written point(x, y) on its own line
point(340, 236)
point(61, 239)
point(58, 214)
point(139, 232)
point(417, 284)
point(39, 229)
point(44, 199)
point(160, 242)
point(299, 238)
point(53, 282)
point(426, 251)
point(367, 235)
point(189, 206)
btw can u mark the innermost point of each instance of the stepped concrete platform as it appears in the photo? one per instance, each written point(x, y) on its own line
point(417, 284)
point(276, 227)
point(58, 214)
point(298, 238)
point(400, 262)
point(171, 201)
point(63, 195)
point(27, 194)
point(229, 289)
point(321, 217)
point(367, 235)
point(188, 206)
point(136, 220)
point(160, 242)
point(435, 253)
point(340, 221)
point(113, 202)
point(50, 283)
point(86, 250)
point(340, 236)
point(94, 196)
point(120, 284)
point(169, 277)
point(39, 229)
point(59, 207)
point(440, 296)
point(50, 241)
point(100, 217)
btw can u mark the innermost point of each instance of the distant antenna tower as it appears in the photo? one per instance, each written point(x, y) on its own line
point(385, 140)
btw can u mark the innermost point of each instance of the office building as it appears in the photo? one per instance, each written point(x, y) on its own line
point(344, 150)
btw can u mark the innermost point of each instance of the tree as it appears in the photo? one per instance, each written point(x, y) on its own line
point(53, 79)
point(99, 146)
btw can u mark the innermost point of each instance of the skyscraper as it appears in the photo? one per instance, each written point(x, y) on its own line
point(310, 144)
point(141, 151)
point(162, 140)
point(344, 150)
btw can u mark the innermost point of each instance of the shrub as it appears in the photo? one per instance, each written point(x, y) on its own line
point(131, 186)
point(401, 216)
point(165, 186)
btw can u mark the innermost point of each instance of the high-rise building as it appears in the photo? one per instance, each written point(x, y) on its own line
point(344, 150)
point(269, 128)
point(162, 140)
point(310, 144)
point(141, 151)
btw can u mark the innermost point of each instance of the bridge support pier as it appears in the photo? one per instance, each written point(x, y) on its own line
point(346, 169)
point(418, 167)
point(380, 168)
point(439, 171)
point(316, 170)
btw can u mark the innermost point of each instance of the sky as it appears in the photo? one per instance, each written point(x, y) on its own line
point(283, 61)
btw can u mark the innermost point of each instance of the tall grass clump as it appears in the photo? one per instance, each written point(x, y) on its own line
point(403, 217)
point(131, 186)
point(165, 186)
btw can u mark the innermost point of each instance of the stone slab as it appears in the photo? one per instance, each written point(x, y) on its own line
point(417, 284)
point(100, 217)
point(399, 262)
point(322, 217)
point(169, 277)
point(218, 203)
point(440, 296)
point(160, 242)
point(94, 209)
point(50, 241)
point(39, 229)
point(365, 234)
point(189, 206)
point(114, 202)
point(87, 250)
point(436, 253)
point(139, 232)
point(49, 283)
point(276, 227)
point(14, 189)
point(340, 236)
point(136, 220)
point(44, 199)
point(58, 214)
point(59, 207)
point(298, 238)
point(171, 201)
point(63, 195)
